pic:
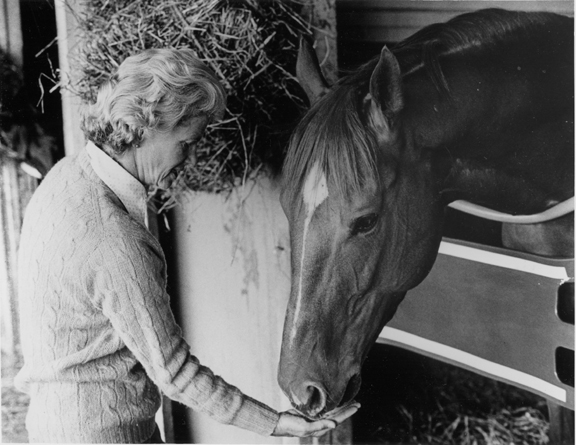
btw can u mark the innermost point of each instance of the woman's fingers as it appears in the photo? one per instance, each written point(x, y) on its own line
point(293, 424)
point(340, 414)
point(296, 426)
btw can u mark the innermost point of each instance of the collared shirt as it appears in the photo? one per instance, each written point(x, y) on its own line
point(128, 189)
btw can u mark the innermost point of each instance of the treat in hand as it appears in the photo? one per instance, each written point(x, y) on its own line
point(294, 424)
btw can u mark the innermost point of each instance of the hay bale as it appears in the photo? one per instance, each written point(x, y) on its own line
point(251, 45)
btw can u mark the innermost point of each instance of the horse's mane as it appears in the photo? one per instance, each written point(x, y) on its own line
point(333, 132)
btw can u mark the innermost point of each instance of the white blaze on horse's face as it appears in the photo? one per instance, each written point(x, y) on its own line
point(314, 193)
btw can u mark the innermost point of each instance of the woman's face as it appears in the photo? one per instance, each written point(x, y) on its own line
point(161, 155)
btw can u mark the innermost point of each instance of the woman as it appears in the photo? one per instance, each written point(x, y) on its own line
point(99, 337)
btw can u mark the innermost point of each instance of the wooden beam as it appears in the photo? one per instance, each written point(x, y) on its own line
point(67, 25)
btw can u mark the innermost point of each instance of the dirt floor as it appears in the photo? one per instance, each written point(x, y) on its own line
point(14, 404)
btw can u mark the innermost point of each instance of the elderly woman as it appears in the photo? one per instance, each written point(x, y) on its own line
point(99, 337)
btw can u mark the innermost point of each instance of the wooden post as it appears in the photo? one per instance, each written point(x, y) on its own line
point(10, 212)
point(229, 266)
point(67, 39)
point(9, 219)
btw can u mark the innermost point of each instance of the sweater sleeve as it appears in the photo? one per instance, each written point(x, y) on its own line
point(130, 289)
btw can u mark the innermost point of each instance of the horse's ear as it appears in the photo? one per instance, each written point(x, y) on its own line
point(385, 98)
point(309, 73)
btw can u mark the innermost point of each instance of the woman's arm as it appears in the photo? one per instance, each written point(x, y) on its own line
point(131, 291)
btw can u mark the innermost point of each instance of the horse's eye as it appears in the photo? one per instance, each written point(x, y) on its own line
point(364, 224)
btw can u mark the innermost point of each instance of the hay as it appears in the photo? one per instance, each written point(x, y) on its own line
point(523, 426)
point(419, 400)
point(474, 410)
point(251, 45)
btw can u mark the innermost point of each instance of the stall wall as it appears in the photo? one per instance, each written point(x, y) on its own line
point(232, 283)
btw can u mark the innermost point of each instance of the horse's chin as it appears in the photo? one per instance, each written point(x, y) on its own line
point(319, 416)
point(324, 414)
point(312, 418)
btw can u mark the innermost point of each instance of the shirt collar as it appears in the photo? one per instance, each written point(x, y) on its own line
point(129, 190)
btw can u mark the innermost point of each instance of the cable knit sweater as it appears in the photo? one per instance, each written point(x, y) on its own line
point(98, 334)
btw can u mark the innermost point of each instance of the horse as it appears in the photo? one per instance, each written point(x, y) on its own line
point(478, 109)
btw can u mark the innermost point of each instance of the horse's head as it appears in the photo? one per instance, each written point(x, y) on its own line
point(364, 226)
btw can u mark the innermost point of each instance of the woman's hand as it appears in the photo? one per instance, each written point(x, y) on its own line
point(293, 424)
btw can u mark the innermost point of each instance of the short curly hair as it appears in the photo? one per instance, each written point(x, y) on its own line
point(156, 90)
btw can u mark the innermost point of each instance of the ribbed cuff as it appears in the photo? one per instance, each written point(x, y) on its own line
point(257, 417)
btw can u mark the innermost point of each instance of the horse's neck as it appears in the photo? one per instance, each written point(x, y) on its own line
point(498, 189)
point(502, 144)
point(525, 174)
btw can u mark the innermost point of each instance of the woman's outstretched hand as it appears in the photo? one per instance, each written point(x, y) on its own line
point(293, 424)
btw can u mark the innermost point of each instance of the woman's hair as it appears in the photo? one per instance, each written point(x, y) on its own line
point(156, 90)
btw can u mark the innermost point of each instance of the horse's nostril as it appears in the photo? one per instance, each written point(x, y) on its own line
point(315, 400)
